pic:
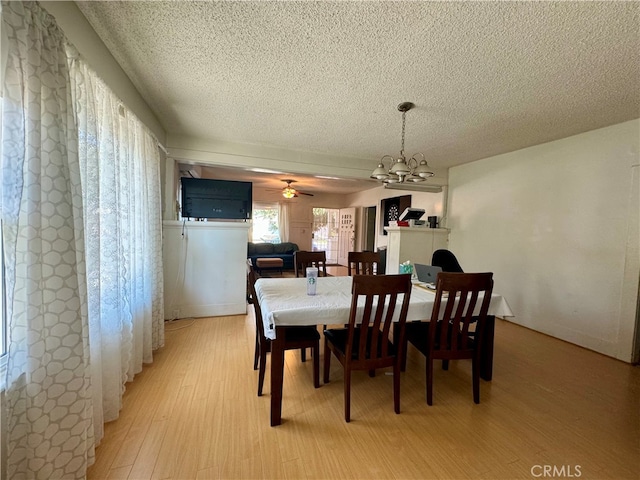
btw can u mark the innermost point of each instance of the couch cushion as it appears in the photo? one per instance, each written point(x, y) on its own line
point(285, 247)
point(263, 248)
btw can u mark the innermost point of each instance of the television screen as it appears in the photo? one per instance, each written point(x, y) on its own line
point(217, 199)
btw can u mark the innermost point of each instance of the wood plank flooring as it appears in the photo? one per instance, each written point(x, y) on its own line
point(194, 414)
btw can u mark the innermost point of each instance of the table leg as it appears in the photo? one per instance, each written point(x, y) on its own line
point(486, 359)
point(277, 376)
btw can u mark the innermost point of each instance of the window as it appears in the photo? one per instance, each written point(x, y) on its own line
point(265, 224)
point(3, 316)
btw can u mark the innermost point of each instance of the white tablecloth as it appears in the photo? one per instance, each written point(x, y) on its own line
point(284, 301)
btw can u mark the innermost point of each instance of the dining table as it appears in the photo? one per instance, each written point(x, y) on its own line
point(284, 302)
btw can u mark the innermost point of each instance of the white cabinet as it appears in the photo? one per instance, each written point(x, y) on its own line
point(205, 268)
point(415, 244)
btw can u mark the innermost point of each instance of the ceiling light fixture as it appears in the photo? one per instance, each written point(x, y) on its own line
point(400, 169)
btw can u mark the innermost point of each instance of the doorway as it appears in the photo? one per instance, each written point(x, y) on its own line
point(369, 230)
point(325, 232)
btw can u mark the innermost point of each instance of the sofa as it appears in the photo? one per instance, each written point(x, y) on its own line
point(284, 250)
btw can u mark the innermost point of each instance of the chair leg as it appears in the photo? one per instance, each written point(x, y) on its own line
point(316, 364)
point(445, 364)
point(256, 353)
point(303, 354)
point(327, 361)
point(347, 394)
point(403, 357)
point(372, 373)
point(263, 367)
point(396, 386)
point(429, 381)
point(475, 373)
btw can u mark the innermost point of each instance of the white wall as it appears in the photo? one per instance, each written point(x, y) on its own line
point(204, 268)
point(558, 225)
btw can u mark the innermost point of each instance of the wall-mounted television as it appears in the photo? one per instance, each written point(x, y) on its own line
point(216, 199)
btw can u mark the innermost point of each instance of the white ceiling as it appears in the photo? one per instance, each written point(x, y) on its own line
point(326, 77)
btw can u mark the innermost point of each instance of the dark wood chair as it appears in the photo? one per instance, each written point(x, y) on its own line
point(252, 276)
point(447, 336)
point(295, 338)
point(303, 259)
point(365, 343)
point(363, 263)
point(446, 260)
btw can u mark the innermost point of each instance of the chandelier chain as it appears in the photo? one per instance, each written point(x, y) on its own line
point(402, 145)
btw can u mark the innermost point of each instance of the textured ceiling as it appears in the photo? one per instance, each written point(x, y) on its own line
point(486, 77)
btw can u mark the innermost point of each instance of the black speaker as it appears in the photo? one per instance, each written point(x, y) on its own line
point(433, 222)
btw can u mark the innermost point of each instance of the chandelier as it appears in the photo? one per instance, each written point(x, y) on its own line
point(400, 169)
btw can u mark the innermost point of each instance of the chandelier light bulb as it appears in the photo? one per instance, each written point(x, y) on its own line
point(288, 192)
point(380, 173)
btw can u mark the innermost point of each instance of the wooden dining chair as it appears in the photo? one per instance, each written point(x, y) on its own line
point(303, 259)
point(295, 338)
point(447, 336)
point(363, 263)
point(365, 343)
point(446, 260)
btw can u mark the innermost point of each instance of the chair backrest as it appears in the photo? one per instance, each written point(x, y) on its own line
point(461, 299)
point(363, 263)
point(374, 302)
point(446, 260)
point(303, 259)
point(252, 277)
point(249, 280)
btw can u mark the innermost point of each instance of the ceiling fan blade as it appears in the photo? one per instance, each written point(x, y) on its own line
point(304, 193)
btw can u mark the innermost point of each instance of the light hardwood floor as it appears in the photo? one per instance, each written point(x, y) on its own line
point(194, 414)
point(337, 270)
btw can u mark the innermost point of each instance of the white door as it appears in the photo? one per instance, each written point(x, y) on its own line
point(326, 232)
point(347, 236)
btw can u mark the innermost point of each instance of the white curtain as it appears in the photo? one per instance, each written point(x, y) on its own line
point(49, 401)
point(83, 263)
point(283, 221)
point(120, 172)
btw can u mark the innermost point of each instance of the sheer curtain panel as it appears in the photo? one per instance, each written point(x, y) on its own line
point(83, 259)
point(120, 171)
point(283, 221)
point(49, 402)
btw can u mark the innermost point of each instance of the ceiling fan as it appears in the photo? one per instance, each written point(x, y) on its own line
point(290, 192)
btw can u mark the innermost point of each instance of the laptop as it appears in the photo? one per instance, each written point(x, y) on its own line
point(427, 273)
